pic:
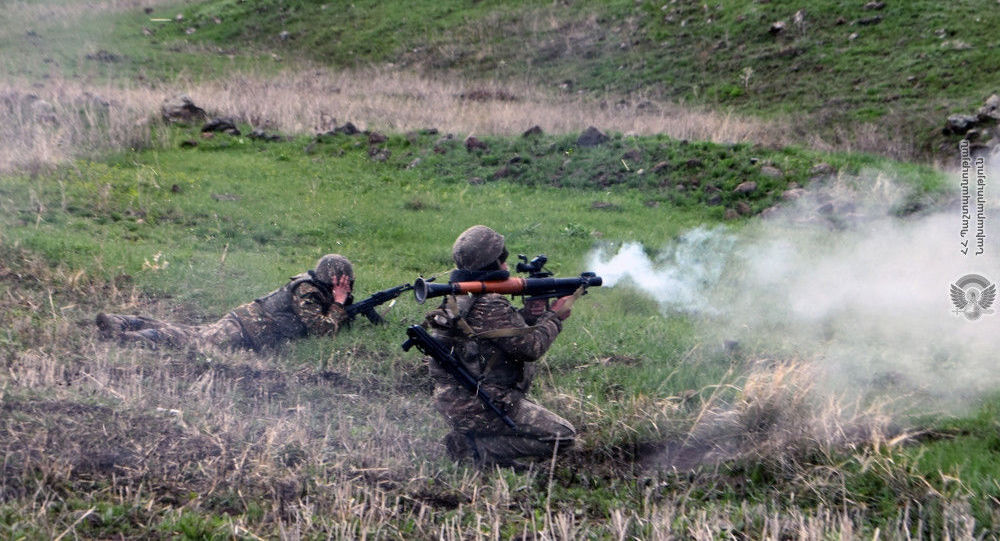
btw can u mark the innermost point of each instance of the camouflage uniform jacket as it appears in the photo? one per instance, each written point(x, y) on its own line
point(502, 365)
point(302, 307)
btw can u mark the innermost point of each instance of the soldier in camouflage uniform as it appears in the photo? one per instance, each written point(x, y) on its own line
point(502, 363)
point(311, 303)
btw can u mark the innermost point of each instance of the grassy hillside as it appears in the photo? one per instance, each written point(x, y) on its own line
point(899, 65)
point(337, 437)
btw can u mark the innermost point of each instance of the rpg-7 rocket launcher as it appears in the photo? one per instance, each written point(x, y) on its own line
point(538, 285)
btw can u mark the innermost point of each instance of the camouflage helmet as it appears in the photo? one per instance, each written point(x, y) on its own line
point(477, 247)
point(331, 266)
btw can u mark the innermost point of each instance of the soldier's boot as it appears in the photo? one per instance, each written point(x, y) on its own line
point(114, 324)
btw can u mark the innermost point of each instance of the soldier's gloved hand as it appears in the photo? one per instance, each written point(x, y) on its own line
point(536, 307)
point(341, 289)
point(558, 305)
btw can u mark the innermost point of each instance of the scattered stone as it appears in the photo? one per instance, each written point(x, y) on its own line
point(379, 154)
point(822, 169)
point(429, 131)
point(793, 194)
point(745, 187)
point(592, 137)
point(225, 197)
point(347, 129)
point(959, 124)
point(261, 135)
point(175, 188)
point(841, 21)
point(652, 203)
point(743, 208)
point(475, 181)
point(284, 35)
point(516, 159)
point(376, 138)
point(190, 30)
point(875, 6)
point(181, 109)
point(771, 172)
point(853, 36)
point(661, 166)
point(731, 214)
point(532, 131)
point(207, 135)
point(147, 10)
point(825, 208)
point(221, 124)
point(694, 163)
point(179, 17)
point(414, 163)
point(715, 199)
point(472, 143)
point(189, 143)
point(776, 28)
point(868, 21)
point(768, 212)
point(991, 109)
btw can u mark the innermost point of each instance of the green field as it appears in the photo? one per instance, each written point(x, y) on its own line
point(691, 426)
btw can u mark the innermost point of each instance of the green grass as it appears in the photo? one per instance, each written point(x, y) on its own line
point(918, 63)
point(52, 39)
point(233, 218)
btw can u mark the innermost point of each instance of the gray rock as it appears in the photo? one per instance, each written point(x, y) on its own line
point(532, 131)
point(793, 194)
point(221, 124)
point(181, 109)
point(771, 172)
point(820, 170)
point(991, 109)
point(592, 137)
point(472, 144)
point(745, 187)
point(959, 124)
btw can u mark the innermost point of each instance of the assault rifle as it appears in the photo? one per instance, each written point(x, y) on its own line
point(417, 336)
point(367, 306)
point(539, 284)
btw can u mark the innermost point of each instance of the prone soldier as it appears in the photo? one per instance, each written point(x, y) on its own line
point(312, 303)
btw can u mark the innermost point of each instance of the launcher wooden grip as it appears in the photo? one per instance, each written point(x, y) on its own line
point(510, 286)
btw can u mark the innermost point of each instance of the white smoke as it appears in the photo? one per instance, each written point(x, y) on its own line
point(679, 277)
point(837, 279)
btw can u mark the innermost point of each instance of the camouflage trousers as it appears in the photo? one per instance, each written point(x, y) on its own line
point(479, 432)
point(223, 334)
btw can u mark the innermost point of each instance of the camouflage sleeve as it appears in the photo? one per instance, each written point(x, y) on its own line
point(307, 304)
point(496, 312)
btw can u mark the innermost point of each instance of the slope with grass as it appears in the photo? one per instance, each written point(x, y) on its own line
point(337, 437)
point(898, 68)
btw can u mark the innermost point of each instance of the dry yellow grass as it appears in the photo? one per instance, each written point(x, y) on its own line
point(61, 118)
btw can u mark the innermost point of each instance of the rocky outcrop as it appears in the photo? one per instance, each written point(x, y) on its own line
point(181, 109)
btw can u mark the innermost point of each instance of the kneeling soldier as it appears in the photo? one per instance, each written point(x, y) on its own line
point(496, 344)
point(311, 303)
